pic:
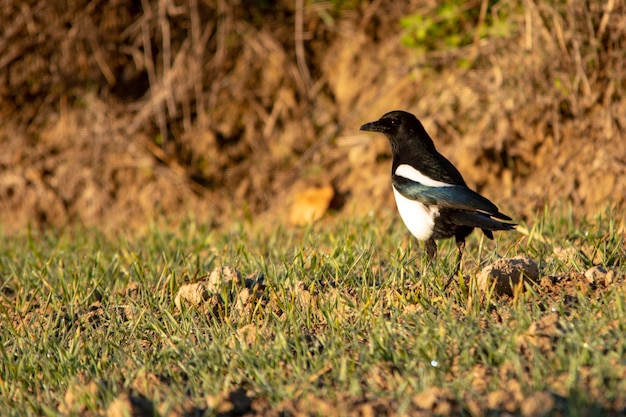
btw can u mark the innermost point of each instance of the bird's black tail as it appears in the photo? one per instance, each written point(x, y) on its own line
point(483, 221)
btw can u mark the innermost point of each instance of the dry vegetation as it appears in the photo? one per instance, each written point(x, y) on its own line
point(114, 113)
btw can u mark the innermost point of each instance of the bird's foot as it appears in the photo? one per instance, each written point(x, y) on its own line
point(448, 281)
point(451, 277)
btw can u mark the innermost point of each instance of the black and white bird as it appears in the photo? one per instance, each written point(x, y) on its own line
point(431, 195)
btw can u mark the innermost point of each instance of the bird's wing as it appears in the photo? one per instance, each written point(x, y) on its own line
point(450, 196)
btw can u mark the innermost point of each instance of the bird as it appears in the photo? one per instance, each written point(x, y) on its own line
point(431, 195)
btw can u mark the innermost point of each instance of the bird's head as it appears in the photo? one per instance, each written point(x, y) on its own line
point(403, 130)
point(393, 123)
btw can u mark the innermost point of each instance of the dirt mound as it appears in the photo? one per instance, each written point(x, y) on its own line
point(113, 114)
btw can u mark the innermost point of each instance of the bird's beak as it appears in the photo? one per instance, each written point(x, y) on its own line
point(373, 127)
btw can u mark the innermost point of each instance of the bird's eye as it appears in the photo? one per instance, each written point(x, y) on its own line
point(394, 122)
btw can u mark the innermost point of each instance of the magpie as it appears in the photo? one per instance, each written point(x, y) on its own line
point(431, 195)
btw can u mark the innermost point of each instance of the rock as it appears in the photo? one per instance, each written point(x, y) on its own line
point(507, 274)
point(310, 205)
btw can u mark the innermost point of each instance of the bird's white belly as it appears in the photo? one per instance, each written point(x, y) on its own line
point(418, 218)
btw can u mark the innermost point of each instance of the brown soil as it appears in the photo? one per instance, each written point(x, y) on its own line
point(113, 114)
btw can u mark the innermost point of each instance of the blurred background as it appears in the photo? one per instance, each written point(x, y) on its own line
point(116, 113)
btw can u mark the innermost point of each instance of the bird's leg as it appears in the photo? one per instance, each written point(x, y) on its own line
point(460, 245)
point(431, 250)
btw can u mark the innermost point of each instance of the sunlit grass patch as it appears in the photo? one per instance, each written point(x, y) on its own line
point(342, 315)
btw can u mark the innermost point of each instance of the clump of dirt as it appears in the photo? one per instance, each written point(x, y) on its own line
point(505, 275)
point(541, 334)
point(436, 400)
point(235, 402)
point(223, 285)
point(130, 405)
point(114, 115)
point(599, 276)
point(569, 287)
point(79, 397)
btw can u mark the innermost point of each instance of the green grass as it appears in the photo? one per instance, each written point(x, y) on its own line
point(344, 318)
